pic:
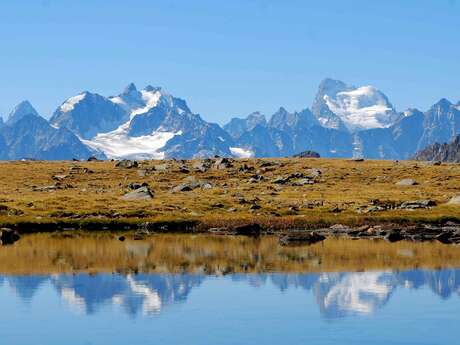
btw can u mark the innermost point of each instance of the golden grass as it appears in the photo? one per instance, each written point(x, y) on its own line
point(344, 184)
point(54, 253)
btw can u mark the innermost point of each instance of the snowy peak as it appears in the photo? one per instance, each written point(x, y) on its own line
point(88, 114)
point(21, 110)
point(140, 102)
point(70, 103)
point(357, 108)
point(130, 88)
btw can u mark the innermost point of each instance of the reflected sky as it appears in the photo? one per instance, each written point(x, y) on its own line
point(187, 289)
point(94, 309)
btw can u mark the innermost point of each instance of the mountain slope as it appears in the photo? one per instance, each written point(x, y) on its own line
point(33, 137)
point(236, 127)
point(21, 110)
point(441, 124)
point(447, 152)
point(28, 135)
point(88, 114)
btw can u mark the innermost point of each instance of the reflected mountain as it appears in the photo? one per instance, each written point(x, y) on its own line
point(338, 295)
point(26, 286)
point(145, 294)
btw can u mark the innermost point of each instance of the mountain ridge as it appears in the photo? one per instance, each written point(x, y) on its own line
point(344, 121)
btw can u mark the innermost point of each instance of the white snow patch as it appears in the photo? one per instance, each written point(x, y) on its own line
point(117, 144)
point(239, 152)
point(69, 105)
point(117, 100)
point(150, 98)
point(362, 108)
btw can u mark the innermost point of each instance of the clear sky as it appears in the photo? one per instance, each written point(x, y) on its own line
point(228, 58)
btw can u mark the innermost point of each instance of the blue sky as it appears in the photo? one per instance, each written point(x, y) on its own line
point(228, 58)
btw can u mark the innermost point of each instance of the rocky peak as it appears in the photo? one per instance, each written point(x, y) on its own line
point(21, 110)
point(446, 152)
point(130, 88)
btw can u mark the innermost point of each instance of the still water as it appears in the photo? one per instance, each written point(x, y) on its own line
point(310, 302)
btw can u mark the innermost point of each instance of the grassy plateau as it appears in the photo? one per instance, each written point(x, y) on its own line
point(39, 195)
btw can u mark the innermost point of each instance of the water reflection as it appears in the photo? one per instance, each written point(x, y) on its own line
point(338, 295)
point(103, 253)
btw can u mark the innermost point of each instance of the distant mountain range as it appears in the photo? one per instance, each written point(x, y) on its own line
point(344, 121)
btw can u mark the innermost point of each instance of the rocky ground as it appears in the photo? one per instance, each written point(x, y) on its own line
point(301, 199)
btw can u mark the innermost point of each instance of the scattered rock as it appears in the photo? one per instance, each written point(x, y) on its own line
point(307, 154)
point(299, 238)
point(202, 165)
point(162, 167)
point(137, 185)
point(314, 172)
point(79, 170)
point(127, 163)
point(222, 163)
point(145, 172)
point(9, 211)
point(412, 205)
point(53, 187)
point(59, 177)
point(183, 169)
point(248, 230)
point(455, 200)
point(191, 183)
point(281, 180)
point(444, 237)
point(394, 236)
point(93, 159)
point(246, 168)
point(8, 236)
point(302, 182)
point(142, 193)
point(294, 179)
point(256, 178)
point(407, 182)
point(255, 207)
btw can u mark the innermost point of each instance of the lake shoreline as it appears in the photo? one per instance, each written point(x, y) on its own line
point(447, 232)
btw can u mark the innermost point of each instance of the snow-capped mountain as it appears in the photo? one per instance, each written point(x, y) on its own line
point(88, 114)
point(344, 121)
point(159, 125)
point(357, 108)
point(28, 135)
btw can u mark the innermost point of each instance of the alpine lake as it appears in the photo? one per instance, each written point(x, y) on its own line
point(80, 289)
